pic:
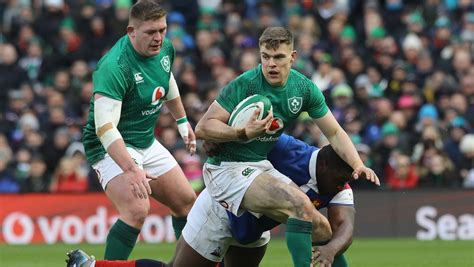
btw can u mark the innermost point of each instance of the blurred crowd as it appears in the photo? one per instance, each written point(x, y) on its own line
point(397, 74)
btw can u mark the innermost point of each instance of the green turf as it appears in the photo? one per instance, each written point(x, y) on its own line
point(363, 253)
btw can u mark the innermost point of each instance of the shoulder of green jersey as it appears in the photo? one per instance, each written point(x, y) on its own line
point(301, 76)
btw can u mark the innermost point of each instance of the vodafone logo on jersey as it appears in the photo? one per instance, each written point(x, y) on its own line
point(158, 93)
point(275, 126)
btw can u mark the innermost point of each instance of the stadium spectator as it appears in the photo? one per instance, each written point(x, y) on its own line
point(405, 137)
point(67, 178)
point(457, 129)
point(430, 141)
point(11, 75)
point(385, 146)
point(438, 172)
point(342, 96)
point(8, 183)
point(38, 179)
point(467, 166)
point(400, 173)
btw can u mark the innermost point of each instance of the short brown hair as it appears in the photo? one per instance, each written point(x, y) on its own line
point(273, 37)
point(144, 10)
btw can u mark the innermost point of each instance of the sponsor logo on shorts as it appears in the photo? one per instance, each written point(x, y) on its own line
point(217, 252)
point(224, 204)
point(248, 171)
point(136, 162)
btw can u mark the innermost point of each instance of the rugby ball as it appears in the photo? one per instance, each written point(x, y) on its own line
point(245, 109)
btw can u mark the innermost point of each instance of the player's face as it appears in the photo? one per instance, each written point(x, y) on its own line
point(276, 64)
point(147, 36)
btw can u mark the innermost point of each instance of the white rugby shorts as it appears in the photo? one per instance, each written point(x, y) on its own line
point(155, 160)
point(208, 231)
point(228, 182)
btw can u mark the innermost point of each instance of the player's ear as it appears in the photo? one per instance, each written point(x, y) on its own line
point(131, 30)
point(294, 54)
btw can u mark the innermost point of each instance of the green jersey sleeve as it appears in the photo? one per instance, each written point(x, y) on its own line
point(317, 106)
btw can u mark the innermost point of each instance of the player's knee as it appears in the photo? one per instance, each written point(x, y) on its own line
point(321, 228)
point(302, 207)
point(136, 215)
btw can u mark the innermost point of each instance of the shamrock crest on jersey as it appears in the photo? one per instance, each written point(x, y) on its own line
point(165, 63)
point(295, 103)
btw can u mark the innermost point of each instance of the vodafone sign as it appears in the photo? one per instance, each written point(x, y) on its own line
point(71, 219)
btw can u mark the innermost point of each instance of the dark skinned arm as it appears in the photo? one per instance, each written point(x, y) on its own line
point(341, 219)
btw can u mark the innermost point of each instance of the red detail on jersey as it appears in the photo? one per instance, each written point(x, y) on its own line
point(158, 94)
point(274, 125)
point(343, 187)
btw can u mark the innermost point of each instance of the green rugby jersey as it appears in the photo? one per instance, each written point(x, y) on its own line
point(298, 95)
point(141, 83)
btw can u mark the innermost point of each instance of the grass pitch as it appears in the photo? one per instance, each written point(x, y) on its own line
point(362, 253)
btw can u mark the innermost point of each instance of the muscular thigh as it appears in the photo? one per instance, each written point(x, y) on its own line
point(186, 256)
point(171, 188)
point(116, 185)
point(129, 207)
point(271, 196)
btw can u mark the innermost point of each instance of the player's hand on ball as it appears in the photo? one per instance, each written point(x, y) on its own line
point(367, 173)
point(255, 127)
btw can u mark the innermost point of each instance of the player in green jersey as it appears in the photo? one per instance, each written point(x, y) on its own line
point(131, 83)
point(239, 177)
